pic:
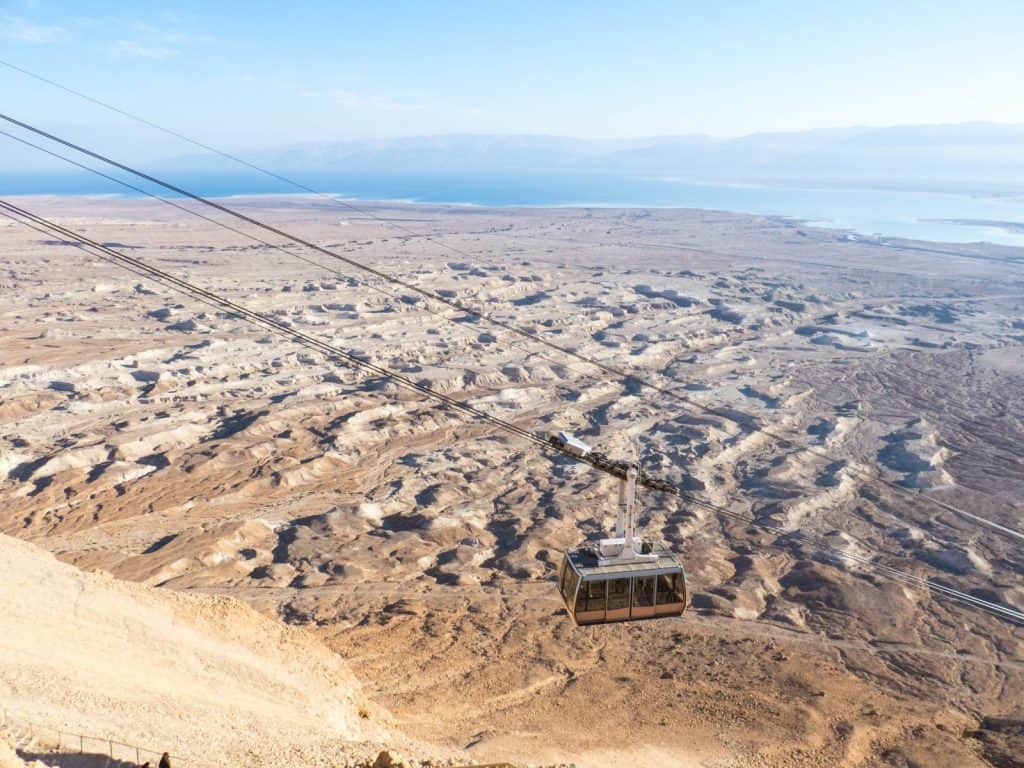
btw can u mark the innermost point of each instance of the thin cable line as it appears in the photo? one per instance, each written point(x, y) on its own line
point(336, 354)
point(747, 422)
point(285, 250)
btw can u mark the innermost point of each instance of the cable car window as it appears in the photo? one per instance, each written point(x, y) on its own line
point(596, 595)
point(618, 594)
point(591, 596)
point(678, 588)
point(669, 588)
point(569, 582)
point(643, 592)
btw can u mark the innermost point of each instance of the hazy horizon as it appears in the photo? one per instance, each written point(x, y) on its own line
point(714, 136)
point(397, 100)
point(341, 72)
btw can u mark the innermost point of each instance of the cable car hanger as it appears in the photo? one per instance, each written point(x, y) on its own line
point(624, 577)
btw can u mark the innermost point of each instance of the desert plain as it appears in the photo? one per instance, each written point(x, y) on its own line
point(866, 393)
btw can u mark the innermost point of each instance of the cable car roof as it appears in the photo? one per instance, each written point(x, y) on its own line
point(584, 562)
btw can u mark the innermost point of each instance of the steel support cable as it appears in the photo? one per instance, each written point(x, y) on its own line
point(748, 423)
point(441, 315)
point(137, 266)
point(281, 248)
point(277, 247)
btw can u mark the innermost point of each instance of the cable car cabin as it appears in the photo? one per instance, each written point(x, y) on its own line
point(599, 594)
point(624, 577)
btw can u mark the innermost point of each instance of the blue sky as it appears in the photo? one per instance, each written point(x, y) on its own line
point(257, 74)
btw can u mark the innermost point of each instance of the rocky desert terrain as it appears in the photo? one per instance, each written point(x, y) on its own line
point(151, 438)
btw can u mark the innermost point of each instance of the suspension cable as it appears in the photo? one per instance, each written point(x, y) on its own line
point(338, 355)
point(744, 421)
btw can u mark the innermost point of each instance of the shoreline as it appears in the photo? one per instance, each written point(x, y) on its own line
point(951, 218)
point(1011, 252)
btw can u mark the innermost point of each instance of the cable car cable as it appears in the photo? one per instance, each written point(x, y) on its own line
point(749, 423)
point(280, 248)
point(137, 266)
point(254, 238)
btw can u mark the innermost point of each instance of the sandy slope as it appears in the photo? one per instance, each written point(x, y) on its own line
point(9, 757)
point(205, 677)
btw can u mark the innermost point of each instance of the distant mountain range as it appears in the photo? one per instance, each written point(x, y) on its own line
point(981, 157)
